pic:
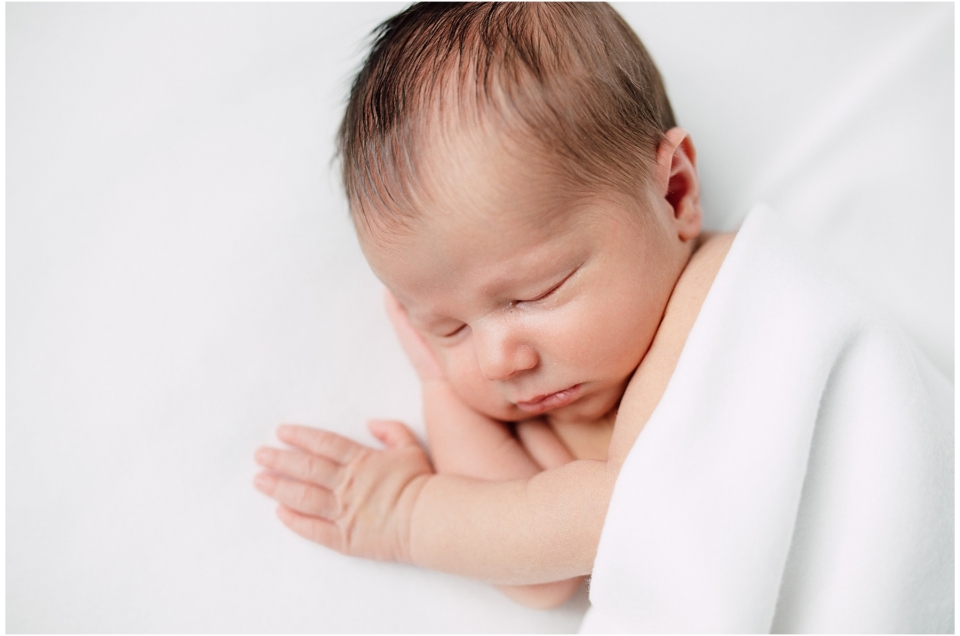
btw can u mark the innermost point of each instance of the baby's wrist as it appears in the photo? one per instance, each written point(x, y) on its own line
point(411, 548)
point(437, 392)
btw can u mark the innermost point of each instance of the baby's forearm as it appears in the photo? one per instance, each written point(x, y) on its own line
point(536, 530)
point(464, 442)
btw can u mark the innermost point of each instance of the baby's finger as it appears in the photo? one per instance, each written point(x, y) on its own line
point(394, 309)
point(419, 354)
point(542, 444)
point(304, 498)
point(317, 530)
point(397, 314)
point(308, 468)
point(392, 433)
point(322, 443)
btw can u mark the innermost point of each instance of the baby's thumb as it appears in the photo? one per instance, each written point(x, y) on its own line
point(393, 434)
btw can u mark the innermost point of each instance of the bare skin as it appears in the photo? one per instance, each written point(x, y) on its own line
point(518, 505)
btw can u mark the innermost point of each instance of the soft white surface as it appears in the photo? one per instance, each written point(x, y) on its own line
point(796, 476)
point(181, 276)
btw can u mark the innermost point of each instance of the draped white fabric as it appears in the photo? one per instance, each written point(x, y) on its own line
point(797, 475)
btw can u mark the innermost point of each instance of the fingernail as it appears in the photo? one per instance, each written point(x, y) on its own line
point(264, 455)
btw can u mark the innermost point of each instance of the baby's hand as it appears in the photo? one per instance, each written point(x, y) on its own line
point(419, 354)
point(346, 496)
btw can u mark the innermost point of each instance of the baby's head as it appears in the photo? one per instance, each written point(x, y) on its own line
point(517, 181)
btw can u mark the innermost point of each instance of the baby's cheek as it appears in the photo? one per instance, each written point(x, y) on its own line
point(463, 374)
point(600, 337)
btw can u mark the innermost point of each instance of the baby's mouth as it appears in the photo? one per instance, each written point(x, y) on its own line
point(549, 401)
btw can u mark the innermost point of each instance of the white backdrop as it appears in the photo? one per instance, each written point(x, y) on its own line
point(182, 276)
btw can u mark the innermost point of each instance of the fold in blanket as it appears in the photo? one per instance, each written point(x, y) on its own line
point(797, 475)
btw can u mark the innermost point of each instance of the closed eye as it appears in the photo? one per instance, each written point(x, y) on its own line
point(550, 291)
point(454, 332)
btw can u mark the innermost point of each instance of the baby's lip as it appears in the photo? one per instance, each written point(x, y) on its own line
point(548, 401)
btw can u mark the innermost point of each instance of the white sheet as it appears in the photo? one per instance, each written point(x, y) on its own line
point(797, 475)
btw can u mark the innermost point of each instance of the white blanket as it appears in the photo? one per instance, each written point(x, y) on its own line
point(797, 475)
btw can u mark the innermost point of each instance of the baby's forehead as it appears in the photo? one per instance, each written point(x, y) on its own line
point(444, 248)
point(458, 232)
point(472, 235)
point(479, 200)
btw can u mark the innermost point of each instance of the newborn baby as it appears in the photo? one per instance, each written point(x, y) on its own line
point(519, 185)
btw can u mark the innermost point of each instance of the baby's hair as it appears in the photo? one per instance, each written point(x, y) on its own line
point(574, 78)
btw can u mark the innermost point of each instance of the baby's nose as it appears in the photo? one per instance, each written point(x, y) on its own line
point(501, 353)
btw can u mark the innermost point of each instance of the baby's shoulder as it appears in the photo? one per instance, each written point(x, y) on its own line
point(704, 264)
point(692, 287)
point(652, 376)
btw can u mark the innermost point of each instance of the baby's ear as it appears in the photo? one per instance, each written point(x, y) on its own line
point(677, 182)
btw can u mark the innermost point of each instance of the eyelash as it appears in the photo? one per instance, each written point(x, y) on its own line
point(550, 291)
point(453, 333)
point(517, 302)
point(543, 295)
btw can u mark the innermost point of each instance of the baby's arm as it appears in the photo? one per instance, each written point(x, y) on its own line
point(466, 443)
point(389, 505)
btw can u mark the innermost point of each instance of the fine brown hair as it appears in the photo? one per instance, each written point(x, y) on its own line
point(572, 77)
